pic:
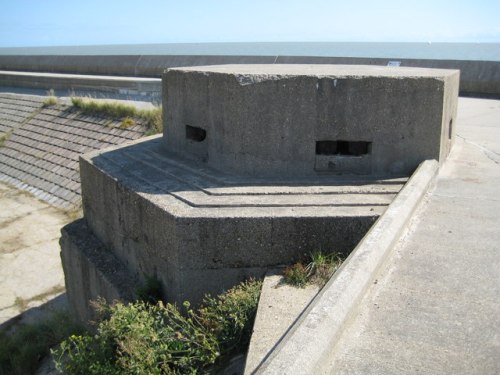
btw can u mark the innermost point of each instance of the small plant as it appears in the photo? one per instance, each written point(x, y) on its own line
point(323, 266)
point(51, 99)
point(4, 137)
point(319, 270)
point(296, 275)
point(21, 351)
point(142, 338)
point(127, 122)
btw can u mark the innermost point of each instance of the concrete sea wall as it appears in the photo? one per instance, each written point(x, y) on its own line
point(476, 77)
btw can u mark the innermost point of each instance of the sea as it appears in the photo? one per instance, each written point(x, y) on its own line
point(429, 50)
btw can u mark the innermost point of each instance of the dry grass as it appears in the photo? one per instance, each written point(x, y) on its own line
point(153, 118)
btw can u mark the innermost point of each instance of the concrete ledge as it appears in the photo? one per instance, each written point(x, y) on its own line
point(306, 346)
point(122, 85)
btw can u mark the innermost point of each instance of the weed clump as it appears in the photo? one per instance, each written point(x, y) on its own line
point(296, 275)
point(144, 338)
point(51, 99)
point(318, 270)
point(4, 137)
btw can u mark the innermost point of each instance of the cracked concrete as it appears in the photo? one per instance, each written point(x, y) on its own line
point(30, 265)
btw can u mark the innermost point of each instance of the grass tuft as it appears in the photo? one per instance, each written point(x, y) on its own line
point(51, 99)
point(318, 270)
point(296, 275)
point(127, 122)
point(153, 117)
point(322, 266)
point(4, 137)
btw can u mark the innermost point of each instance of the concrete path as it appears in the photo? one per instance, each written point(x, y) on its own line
point(435, 305)
point(30, 266)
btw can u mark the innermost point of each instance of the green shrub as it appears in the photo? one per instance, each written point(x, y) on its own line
point(141, 338)
point(21, 351)
point(231, 316)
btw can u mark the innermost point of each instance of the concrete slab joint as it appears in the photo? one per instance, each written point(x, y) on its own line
point(259, 165)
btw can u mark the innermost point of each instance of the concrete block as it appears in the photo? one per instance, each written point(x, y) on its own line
point(305, 120)
point(91, 270)
point(202, 231)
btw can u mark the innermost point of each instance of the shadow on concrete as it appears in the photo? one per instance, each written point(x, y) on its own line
point(37, 314)
point(148, 167)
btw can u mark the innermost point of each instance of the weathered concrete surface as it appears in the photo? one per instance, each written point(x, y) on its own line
point(476, 78)
point(30, 266)
point(91, 270)
point(75, 82)
point(200, 230)
point(435, 306)
point(305, 348)
point(40, 153)
point(279, 306)
point(267, 120)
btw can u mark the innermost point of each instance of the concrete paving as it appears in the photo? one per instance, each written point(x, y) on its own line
point(42, 145)
point(30, 265)
point(434, 306)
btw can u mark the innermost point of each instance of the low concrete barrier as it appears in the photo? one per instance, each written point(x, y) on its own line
point(122, 85)
point(476, 78)
point(308, 343)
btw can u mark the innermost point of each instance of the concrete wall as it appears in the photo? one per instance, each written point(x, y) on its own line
point(271, 120)
point(92, 271)
point(195, 250)
point(476, 78)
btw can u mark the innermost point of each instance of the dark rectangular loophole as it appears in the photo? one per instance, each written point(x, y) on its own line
point(195, 134)
point(346, 148)
point(326, 147)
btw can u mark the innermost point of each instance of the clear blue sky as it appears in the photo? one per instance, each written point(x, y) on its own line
point(81, 22)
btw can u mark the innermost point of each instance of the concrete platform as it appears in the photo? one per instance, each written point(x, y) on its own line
point(435, 306)
point(200, 230)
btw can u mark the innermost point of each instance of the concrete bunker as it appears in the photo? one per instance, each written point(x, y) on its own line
point(289, 159)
